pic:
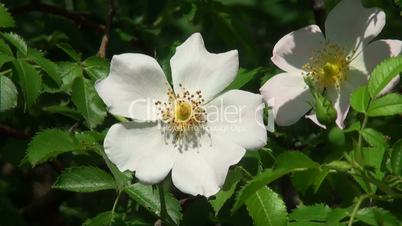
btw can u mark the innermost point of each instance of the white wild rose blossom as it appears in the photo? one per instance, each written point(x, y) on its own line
point(337, 63)
point(180, 129)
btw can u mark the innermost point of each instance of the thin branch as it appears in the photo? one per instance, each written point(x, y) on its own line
point(319, 12)
point(106, 35)
point(11, 132)
point(77, 18)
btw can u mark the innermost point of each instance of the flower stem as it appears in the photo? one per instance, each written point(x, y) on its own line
point(356, 208)
point(359, 153)
point(114, 207)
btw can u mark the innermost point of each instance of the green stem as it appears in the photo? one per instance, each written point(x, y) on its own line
point(359, 154)
point(356, 208)
point(114, 207)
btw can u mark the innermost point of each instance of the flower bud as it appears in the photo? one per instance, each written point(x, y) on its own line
point(326, 113)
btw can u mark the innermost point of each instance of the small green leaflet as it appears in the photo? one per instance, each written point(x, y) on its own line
point(17, 42)
point(29, 80)
point(88, 102)
point(84, 179)
point(383, 73)
point(96, 68)
point(266, 208)
point(148, 197)
point(6, 20)
point(70, 51)
point(8, 94)
point(360, 99)
point(390, 104)
point(49, 144)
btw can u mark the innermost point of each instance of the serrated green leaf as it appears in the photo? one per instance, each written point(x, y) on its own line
point(17, 42)
point(8, 94)
point(49, 144)
point(377, 216)
point(244, 76)
point(88, 102)
point(317, 212)
point(46, 65)
point(285, 163)
point(266, 208)
point(396, 158)
point(227, 190)
point(148, 197)
point(373, 137)
point(373, 158)
point(84, 179)
point(96, 67)
point(6, 20)
point(360, 99)
point(69, 72)
point(383, 73)
point(387, 105)
point(5, 59)
point(5, 49)
point(29, 80)
point(102, 219)
point(70, 51)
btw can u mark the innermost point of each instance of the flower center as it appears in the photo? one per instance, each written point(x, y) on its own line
point(328, 66)
point(183, 112)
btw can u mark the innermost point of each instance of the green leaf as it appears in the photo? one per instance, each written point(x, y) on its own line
point(29, 80)
point(373, 137)
point(148, 197)
point(285, 163)
point(377, 216)
point(17, 42)
point(49, 144)
point(383, 73)
point(63, 109)
point(96, 67)
point(373, 159)
point(5, 49)
point(396, 158)
point(244, 76)
point(227, 190)
point(6, 20)
point(390, 104)
point(5, 59)
point(102, 219)
point(69, 72)
point(360, 99)
point(46, 65)
point(316, 212)
point(8, 94)
point(266, 208)
point(88, 103)
point(84, 179)
point(70, 51)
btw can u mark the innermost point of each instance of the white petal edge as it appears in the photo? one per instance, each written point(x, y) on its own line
point(374, 54)
point(198, 70)
point(352, 26)
point(135, 81)
point(296, 48)
point(289, 97)
point(140, 147)
point(237, 116)
point(313, 117)
point(202, 171)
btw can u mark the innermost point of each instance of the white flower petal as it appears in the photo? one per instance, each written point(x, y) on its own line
point(295, 49)
point(374, 54)
point(134, 81)
point(352, 26)
point(290, 95)
point(313, 117)
point(202, 171)
point(197, 69)
point(238, 116)
point(340, 97)
point(140, 147)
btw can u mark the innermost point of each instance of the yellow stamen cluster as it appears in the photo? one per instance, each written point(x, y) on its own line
point(328, 66)
point(182, 112)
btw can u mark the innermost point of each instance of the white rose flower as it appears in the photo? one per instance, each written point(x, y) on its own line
point(189, 129)
point(339, 63)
